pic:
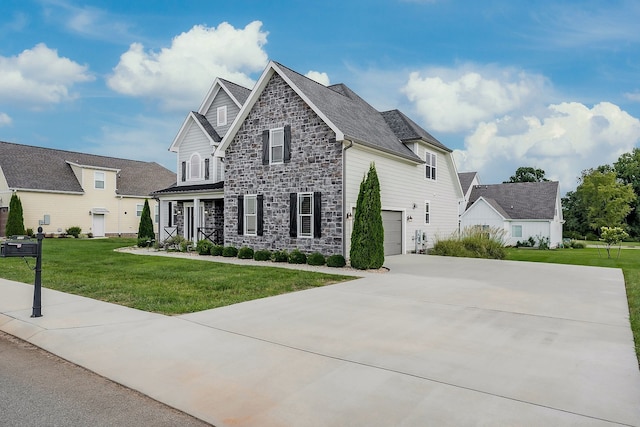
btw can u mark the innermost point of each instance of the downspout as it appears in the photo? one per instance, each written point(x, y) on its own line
point(344, 198)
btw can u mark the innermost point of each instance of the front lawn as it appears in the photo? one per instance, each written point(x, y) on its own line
point(629, 262)
point(91, 268)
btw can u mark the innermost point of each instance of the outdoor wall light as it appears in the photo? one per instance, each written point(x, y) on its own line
point(349, 215)
point(409, 218)
point(415, 206)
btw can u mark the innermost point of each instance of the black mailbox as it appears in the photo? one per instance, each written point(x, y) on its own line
point(19, 248)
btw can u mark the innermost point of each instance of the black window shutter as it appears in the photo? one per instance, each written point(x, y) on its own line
point(241, 215)
point(206, 168)
point(265, 147)
point(184, 171)
point(260, 214)
point(170, 216)
point(287, 143)
point(317, 214)
point(293, 214)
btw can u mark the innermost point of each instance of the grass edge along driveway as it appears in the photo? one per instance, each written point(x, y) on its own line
point(91, 268)
point(628, 261)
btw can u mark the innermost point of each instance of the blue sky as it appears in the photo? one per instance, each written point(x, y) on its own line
point(504, 83)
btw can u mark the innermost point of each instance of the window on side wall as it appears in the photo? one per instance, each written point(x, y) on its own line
point(276, 146)
point(139, 207)
point(222, 115)
point(98, 180)
point(156, 214)
point(427, 212)
point(305, 214)
point(430, 165)
point(516, 231)
point(250, 215)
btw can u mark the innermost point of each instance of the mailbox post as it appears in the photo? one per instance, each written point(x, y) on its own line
point(24, 247)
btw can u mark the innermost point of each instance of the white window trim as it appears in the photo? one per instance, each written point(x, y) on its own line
point(221, 111)
point(156, 214)
point(513, 228)
point(96, 180)
point(189, 170)
point(427, 209)
point(434, 166)
point(271, 132)
point(247, 198)
point(139, 208)
point(301, 196)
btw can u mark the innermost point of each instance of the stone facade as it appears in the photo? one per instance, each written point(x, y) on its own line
point(315, 166)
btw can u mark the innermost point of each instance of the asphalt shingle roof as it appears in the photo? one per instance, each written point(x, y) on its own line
point(466, 178)
point(175, 189)
point(351, 114)
point(520, 200)
point(408, 130)
point(208, 127)
point(39, 168)
point(240, 93)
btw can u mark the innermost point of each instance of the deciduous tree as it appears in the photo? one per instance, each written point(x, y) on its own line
point(528, 174)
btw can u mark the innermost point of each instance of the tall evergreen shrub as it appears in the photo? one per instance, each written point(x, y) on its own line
point(145, 230)
point(15, 221)
point(367, 238)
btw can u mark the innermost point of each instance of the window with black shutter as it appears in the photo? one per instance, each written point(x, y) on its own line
point(207, 173)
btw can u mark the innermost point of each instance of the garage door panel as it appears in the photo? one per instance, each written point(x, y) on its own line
point(392, 223)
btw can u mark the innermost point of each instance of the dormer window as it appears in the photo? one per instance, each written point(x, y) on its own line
point(222, 115)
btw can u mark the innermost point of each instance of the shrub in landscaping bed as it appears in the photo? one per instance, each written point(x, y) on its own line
point(245, 253)
point(230, 251)
point(216, 250)
point(474, 242)
point(74, 231)
point(316, 258)
point(297, 257)
point(336, 261)
point(204, 247)
point(577, 245)
point(281, 256)
point(262, 255)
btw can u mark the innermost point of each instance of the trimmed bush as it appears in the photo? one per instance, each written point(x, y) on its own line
point(280, 256)
point(217, 250)
point(74, 231)
point(297, 257)
point(29, 232)
point(245, 253)
point(577, 245)
point(262, 255)
point(367, 237)
point(316, 258)
point(143, 243)
point(336, 261)
point(204, 247)
point(173, 243)
point(230, 251)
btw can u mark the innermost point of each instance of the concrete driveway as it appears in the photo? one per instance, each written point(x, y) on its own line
point(435, 341)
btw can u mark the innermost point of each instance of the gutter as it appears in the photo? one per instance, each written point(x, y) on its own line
point(344, 198)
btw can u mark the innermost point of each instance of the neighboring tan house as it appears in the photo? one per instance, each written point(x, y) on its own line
point(522, 209)
point(294, 154)
point(467, 181)
point(61, 189)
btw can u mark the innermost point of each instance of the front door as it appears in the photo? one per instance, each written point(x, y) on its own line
point(192, 221)
point(98, 225)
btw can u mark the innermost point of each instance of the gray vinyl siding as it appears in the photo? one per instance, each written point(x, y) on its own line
point(195, 141)
point(221, 99)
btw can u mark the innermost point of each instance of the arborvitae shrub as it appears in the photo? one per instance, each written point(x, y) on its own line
point(245, 253)
point(15, 220)
point(230, 251)
point(367, 238)
point(336, 261)
point(262, 255)
point(316, 258)
point(145, 230)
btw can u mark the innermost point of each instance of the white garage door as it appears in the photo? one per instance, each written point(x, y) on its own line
point(392, 222)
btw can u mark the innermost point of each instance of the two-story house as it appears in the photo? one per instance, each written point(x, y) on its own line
point(61, 189)
point(294, 153)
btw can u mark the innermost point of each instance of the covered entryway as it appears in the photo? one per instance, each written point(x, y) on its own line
point(392, 223)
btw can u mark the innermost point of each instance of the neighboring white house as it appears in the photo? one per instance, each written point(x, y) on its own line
point(294, 153)
point(468, 180)
point(523, 210)
point(62, 189)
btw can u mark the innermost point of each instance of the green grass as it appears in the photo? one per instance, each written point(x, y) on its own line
point(629, 262)
point(91, 268)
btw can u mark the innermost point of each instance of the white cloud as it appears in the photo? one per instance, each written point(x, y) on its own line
point(633, 96)
point(322, 78)
point(454, 100)
point(39, 75)
point(180, 75)
point(569, 138)
point(5, 120)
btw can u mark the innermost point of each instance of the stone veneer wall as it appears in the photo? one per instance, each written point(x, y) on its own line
point(316, 165)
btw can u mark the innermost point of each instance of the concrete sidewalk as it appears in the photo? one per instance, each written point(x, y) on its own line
point(435, 341)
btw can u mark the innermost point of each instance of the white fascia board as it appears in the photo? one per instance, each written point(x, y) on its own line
point(226, 89)
point(195, 119)
point(178, 139)
point(99, 168)
point(271, 69)
point(37, 190)
point(211, 94)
